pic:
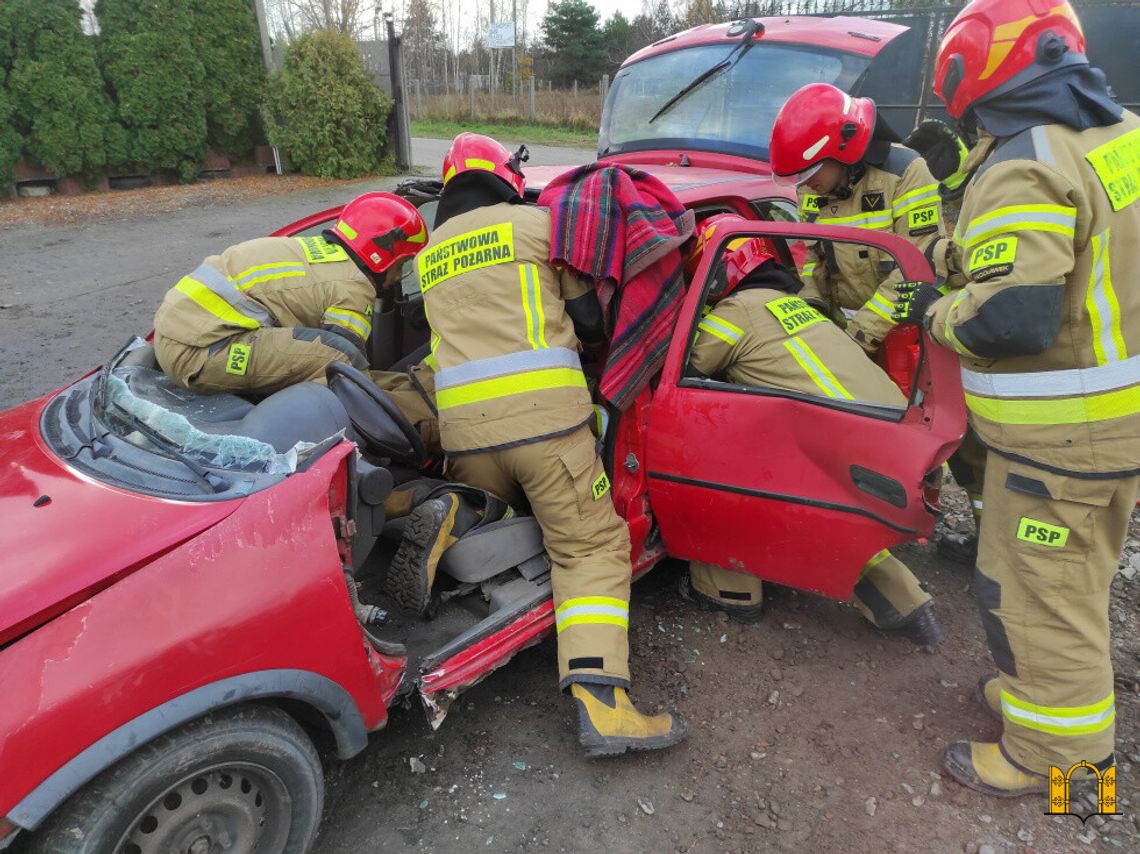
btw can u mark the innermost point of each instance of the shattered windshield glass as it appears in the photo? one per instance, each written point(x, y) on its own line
point(732, 113)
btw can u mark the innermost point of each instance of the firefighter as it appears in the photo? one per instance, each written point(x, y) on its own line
point(744, 341)
point(274, 311)
point(832, 145)
point(1048, 332)
point(515, 421)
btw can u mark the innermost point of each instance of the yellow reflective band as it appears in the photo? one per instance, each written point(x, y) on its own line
point(320, 251)
point(809, 267)
point(915, 199)
point(1103, 306)
point(876, 560)
point(1117, 165)
point(600, 486)
point(1057, 219)
point(922, 217)
point(472, 250)
point(793, 314)
point(477, 392)
point(727, 332)
point(214, 304)
point(257, 280)
point(999, 252)
point(420, 236)
point(349, 319)
point(448, 175)
point(346, 229)
point(597, 610)
point(956, 345)
point(1060, 720)
point(478, 163)
point(881, 306)
point(816, 369)
point(237, 360)
point(1072, 410)
point(1042, 533)
point(879, 219)
point(532, 306)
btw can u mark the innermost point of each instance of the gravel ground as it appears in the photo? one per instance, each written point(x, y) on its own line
point(808, 731)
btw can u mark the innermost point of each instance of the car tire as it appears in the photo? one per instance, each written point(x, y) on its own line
point(245, 780)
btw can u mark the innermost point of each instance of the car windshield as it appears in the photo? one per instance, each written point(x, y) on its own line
point(732, 113)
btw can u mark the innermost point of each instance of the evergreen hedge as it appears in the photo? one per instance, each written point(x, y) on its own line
point(9, 139)
point(226, 39)
point(324, 111)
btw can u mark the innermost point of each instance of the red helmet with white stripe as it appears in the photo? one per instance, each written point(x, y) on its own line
point(742, 255)
point(471, 151)
point(380, 229)
point(819, 122)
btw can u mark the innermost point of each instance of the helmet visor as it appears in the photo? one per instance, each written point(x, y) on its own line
point(798, 179)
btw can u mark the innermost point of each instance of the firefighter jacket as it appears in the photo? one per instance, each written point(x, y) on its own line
point(858, 281)
point(1048, 326)
point(767, 338)
point(504, 346)
point(269, 281)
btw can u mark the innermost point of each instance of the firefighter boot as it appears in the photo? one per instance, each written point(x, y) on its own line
point(738, 594)
point(406, 496)
point(608, 723)
point(984, 767)
point(427, 535)
point(960, 548)
point(988, 692)
point(921, 626)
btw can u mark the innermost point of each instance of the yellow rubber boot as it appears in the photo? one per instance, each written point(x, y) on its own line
point(988, 693)
point(608, 723)
point(983, 767)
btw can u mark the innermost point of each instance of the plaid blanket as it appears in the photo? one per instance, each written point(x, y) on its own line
point(621, 228)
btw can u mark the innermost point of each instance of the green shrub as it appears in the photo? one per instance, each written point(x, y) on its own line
point(154, 73)
point(55, 91)
point(324, 112)
point(9, 140)
point(227, 41)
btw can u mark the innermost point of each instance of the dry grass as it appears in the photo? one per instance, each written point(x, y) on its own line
point(562, 109)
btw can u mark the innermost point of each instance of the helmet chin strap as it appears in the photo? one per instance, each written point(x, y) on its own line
point(853, 175)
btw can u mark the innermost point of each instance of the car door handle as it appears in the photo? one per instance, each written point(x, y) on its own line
point(879, 485)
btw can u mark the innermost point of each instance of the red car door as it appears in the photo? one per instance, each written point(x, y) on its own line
point(794, 489)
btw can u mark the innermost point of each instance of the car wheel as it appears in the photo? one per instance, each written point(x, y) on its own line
point(242, 781)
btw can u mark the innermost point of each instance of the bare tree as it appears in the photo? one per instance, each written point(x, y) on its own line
point(345, 16)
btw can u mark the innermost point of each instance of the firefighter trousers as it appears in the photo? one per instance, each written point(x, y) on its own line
point(968, 465)
point(415, 402)
point(568, 490)
point(1049, 548)
point(886, 593)
point(259, 362)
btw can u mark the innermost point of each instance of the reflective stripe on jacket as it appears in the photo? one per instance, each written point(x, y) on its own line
point(503, 346)
point(1048, 327)
point(270, 281)
point(900, 196)
point(767, 338)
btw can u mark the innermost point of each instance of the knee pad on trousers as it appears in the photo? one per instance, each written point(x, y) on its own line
point(988, 595)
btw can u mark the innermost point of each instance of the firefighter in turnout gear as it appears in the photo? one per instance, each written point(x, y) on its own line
point(1048, 331)
point(852, 172)
point(760, 333)
point(514, 420)
point(274, 311)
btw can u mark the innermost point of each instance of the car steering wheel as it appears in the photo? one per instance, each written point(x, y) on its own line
point(374, 415)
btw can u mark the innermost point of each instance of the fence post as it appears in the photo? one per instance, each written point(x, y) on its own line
point(471, 91)
point(604, 88)
point(575, 87)
point(420, 103)
point(530, 81)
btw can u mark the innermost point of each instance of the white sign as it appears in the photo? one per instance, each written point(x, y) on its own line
point(501, 35)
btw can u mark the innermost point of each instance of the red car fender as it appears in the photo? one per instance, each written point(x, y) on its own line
point(255, 606)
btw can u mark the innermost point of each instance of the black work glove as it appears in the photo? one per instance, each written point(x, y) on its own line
point(914, 299)
point(942, 149)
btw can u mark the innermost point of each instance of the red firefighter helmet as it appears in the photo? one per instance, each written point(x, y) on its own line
point(819, 122)
point(474, 151)
point(994, 46)
point(742, 255)
point(380, 229)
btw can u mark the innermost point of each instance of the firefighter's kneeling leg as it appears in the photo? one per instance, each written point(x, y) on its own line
point(890, 597)
point(738, 594)
point(268, 360)
point(415, 405)
point(1049, 549)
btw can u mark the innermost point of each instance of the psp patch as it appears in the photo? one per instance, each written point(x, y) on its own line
point(922, 221)
point(1042, 533)
point(811, 204)
point(237, 361)
point(600, 486)
point(993, 258)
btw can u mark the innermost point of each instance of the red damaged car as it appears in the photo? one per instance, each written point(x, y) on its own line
point(165, 670)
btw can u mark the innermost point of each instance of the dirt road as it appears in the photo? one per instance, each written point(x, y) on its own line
point(809, 731)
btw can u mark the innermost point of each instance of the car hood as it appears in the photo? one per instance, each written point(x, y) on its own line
point(65, 536)
point(692, 184)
